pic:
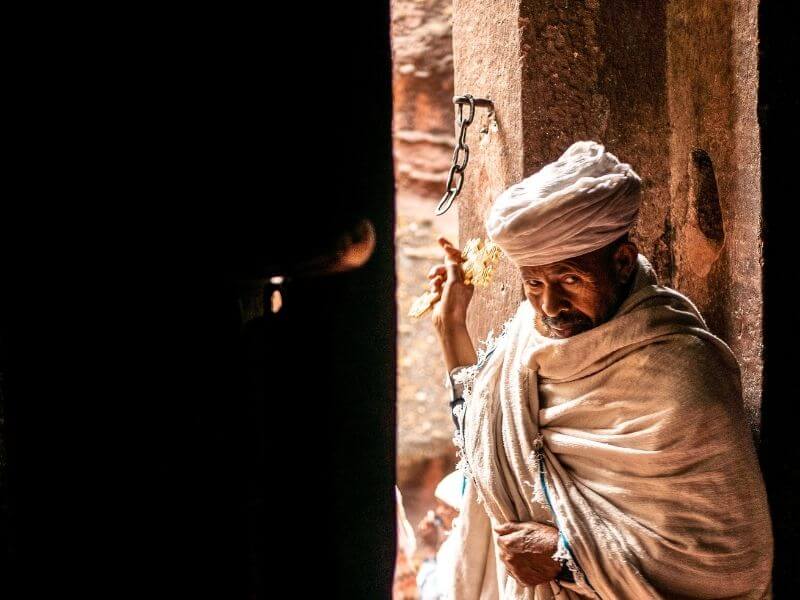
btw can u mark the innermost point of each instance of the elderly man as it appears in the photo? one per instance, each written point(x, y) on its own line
point(603, 433)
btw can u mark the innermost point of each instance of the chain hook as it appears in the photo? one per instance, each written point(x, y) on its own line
point(458, 167)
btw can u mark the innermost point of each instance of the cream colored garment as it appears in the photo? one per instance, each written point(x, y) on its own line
point(583, 201)
point(648, 459)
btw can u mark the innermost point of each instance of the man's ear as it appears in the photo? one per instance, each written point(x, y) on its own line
point(624, 261)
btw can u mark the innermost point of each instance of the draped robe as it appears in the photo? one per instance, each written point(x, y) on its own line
point(630, 438)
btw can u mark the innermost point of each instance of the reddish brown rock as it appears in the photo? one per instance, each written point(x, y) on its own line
point(423, 147)
point(715, 160)
point(422, 86)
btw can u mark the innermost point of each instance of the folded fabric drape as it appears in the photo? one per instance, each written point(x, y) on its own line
point(646, 455)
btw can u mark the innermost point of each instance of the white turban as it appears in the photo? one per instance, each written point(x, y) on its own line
point(579, 203)
point(451, 489)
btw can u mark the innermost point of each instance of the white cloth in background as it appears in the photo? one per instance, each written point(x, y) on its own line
point(435, 576)
point(450, 489)
point(406, 540)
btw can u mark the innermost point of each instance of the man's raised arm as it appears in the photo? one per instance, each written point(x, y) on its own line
point(449, 314)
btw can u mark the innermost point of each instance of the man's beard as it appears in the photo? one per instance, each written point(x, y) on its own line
point(567, 324)
point(576, 322)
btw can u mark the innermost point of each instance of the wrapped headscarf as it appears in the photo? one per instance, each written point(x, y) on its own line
point(583, 201)
point(450, 489)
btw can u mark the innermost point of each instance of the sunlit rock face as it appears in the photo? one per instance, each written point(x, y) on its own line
point(422, 86)
point(423, 128)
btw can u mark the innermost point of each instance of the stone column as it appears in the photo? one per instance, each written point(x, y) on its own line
point(487, 60)
point(715, 173)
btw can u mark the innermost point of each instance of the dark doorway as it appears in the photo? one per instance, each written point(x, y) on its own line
point(165, 440)
point(778, 117)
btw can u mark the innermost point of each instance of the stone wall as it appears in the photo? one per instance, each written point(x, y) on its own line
point(715, 172)
point(423, 147)
point(422, 89)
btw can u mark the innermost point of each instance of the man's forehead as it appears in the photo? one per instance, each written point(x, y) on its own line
point(557, 268)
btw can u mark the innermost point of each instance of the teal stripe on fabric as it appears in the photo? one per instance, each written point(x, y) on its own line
point(555, 517)
point(488, 354)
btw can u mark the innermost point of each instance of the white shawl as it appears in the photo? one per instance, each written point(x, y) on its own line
point(647, 458)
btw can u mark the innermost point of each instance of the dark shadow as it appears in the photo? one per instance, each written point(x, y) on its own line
point(166, 437)
point(778, 111)
point(706, 197)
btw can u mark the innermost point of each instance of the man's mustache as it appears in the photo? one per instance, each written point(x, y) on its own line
point(565, 320)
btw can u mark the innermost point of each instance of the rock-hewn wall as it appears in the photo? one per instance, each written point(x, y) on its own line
point(487, 58)
point(715, 172)
point(423, 147)
point(422, 88)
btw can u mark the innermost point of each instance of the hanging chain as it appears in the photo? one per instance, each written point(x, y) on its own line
point(457, 169)
point(459, 166)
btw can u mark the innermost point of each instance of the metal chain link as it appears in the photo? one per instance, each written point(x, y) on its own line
point(458, 167)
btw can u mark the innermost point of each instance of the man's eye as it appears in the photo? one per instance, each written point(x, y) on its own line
point(570, 279)
point(534, 283)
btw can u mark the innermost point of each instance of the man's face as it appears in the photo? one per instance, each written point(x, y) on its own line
point(577, 294)
point(446, 513)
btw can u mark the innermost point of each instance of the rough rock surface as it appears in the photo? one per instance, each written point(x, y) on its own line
point(425, 429)
point(422, 89)
point(423, 147)
point(715, 162)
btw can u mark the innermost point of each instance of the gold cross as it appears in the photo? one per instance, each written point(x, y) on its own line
point(479, 259)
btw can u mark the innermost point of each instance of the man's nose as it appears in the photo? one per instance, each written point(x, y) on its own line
point(553, 302)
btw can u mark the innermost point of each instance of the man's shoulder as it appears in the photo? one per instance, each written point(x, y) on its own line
point(683, 359)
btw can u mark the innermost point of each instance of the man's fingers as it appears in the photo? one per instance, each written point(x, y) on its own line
point(513, 574)
point(437, 270)
point(454, 272)
point(511, 542)
point(453, 255)
point(530, 578)
point(505, 528)
point(505, 545)
point(436, 284)
point(451, 252)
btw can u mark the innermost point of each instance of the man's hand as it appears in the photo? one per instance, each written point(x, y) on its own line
point(450, 312)
point(447, 279)
point(429, 534)
point(526, 549)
